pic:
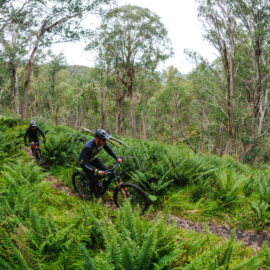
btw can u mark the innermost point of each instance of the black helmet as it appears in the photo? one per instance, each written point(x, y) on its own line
point(102, 134)
point(33, 123)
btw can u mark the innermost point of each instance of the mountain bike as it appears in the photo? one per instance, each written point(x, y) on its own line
point(36, 151)
point(122, 191)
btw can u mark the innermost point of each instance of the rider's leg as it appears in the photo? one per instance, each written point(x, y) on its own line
point(97, 163)
point(33, 142)
point(32, 147)
point(89, 171)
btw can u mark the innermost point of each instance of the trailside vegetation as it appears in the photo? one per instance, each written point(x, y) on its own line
point(43, 228)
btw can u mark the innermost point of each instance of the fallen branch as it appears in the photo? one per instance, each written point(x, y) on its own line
point(191, 146)
point(112, 138)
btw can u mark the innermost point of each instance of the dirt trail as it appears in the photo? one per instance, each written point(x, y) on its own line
point(249, 238)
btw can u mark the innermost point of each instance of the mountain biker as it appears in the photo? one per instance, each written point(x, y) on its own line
point(91, 165)
point(32, 135)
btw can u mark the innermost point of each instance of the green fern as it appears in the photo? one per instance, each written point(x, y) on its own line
point(15, 255)
point(128, 221)
point(228, 188)
point(227, 256)
point(146, 252)
point(261, 214)
point(127, 258)
point(114, 250)
point(5, 265)
point(264, 190)
point(87, 262)
point(36, 224)
point(251, 263)
point(168, 259)
point(135, 244)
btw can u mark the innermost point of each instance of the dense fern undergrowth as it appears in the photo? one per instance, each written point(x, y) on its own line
point(43, 228)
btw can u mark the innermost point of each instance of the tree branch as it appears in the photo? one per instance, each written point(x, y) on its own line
point(112, 138)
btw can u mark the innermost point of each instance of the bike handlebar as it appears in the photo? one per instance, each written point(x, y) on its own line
point(110, 171)
point(28, 144)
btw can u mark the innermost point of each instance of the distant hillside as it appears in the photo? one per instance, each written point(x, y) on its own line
point(76, 70)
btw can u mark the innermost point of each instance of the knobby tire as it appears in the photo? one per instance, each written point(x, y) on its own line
point(80, 183)
point(133, 192)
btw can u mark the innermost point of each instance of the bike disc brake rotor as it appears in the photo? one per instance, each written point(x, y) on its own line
point(132, 195)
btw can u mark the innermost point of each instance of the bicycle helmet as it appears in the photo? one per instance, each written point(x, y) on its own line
point(33, 123)
point(102, 134)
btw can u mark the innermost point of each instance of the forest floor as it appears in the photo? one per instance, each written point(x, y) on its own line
point(250, 238)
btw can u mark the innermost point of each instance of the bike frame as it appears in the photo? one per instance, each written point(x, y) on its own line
point(36, 149)
point(113, 176)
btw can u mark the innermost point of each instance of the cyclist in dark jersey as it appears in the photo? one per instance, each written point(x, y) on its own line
point(92, 165)
point(32, 134)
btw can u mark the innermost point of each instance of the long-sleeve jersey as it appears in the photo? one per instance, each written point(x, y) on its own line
point(90, 150)
point(32, 134)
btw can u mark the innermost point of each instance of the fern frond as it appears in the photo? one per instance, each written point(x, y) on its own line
point(14, 253)
point(87, 262)
point(5, 265)
point(226, 259)
point(251, 263)
point(169, 258)
point(127, 218)
point(127, 259)
point(146, 252)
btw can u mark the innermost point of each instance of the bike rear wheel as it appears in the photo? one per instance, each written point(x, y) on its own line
point(81, 184)
point(38, 156)
point(137, 197)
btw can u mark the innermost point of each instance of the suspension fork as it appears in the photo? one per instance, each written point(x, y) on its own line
point(124, 191)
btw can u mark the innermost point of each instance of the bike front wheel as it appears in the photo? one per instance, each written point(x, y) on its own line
point(136, 195)
point(81, 184)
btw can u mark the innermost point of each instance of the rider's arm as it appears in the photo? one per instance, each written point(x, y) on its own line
point(41, 132)
point(89, 167)
point(109, 151)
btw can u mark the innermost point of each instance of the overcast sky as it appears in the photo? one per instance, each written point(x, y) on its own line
point(184, 30)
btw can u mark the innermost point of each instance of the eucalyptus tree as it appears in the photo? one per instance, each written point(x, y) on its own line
point(56, 21)
point(169, 107)
point(220, 25)
point(149, 84)
point(56, 63)
point(254, 17)
point(11, 10)
point(130, 39)
point(14, 38)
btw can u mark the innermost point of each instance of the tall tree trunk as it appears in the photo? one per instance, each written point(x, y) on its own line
point(262, 110)
point(174, 109)
point(132, 111)
point(203, 123)
point(28, 73)
point(229, 67)
point(77, 115)
point(230, 70)
point(102, 108)
point(143, 130)
point(15, 89)
point(117, 108)
point(164, 131)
